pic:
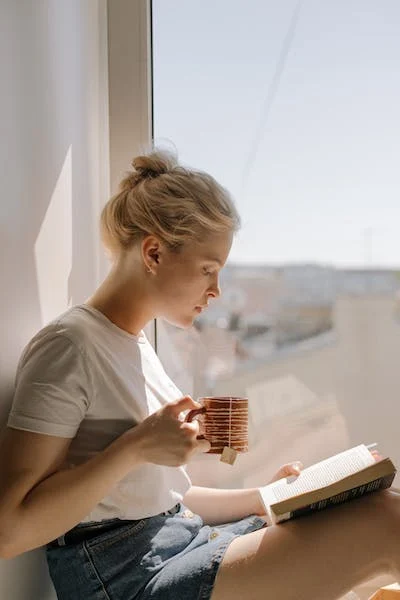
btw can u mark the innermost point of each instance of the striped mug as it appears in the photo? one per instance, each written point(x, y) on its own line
point(223, 422)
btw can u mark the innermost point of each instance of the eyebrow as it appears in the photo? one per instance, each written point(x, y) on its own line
point(212, 259)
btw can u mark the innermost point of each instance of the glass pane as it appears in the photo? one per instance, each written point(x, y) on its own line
point(294, 108)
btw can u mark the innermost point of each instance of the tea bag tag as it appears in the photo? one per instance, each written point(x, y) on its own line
point(228, 455)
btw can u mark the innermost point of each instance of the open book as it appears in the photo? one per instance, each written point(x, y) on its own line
point(337, 479)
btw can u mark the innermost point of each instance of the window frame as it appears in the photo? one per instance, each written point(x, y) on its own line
point(130, 66)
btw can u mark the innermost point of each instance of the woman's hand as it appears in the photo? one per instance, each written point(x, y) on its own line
point(294, 468)
point(288, 469)
point(164, 439)
point(378, 457)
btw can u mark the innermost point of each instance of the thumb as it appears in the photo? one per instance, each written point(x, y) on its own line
point(294, 468)
point(203, 445)
point(185, 403)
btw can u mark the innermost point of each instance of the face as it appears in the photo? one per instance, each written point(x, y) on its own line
point(188, 280)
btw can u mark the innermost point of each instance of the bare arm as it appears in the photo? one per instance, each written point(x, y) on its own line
point(39, 502)
point(217, 506)
point(222, 506)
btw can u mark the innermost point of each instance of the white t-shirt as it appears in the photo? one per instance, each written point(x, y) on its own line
point(82, 377)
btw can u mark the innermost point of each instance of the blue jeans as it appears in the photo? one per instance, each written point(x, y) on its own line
point(171, 556)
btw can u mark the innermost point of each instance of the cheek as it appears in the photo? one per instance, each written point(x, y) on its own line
point(182, 280)
point(188, 291)
point(177, 284)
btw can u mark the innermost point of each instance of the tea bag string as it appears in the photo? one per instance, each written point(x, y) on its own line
point(230, 420)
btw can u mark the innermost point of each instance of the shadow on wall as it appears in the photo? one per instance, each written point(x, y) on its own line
point(49, 155)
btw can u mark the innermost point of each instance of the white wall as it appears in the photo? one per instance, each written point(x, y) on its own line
point(54, 178)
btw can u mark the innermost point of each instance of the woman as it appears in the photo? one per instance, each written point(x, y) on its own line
point(93, 455)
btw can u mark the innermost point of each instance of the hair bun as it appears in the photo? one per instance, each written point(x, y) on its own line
point(154, 164)
point(148, 166)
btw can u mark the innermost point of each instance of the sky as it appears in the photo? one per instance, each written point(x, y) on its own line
point(293, 105)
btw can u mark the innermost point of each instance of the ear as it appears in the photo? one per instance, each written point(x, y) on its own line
point(152, 252)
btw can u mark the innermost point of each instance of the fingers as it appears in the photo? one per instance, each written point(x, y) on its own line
point(293, 468)
point(193, 427)
point(185, 403)
point(378, 457)
point(203, 445)
point(296, 467)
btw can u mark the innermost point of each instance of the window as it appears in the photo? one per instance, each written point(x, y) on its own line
point(293, 106)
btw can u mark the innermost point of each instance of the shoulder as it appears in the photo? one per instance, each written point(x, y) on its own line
point(67, 334)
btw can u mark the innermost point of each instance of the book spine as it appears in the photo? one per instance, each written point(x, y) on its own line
point(356, 492)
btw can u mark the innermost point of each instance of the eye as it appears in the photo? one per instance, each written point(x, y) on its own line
point(207, 271)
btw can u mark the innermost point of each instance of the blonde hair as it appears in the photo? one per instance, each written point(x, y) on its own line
point(162, 198)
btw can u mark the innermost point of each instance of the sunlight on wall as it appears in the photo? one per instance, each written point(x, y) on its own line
point(54, 267)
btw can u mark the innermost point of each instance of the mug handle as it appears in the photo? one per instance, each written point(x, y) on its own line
point(191, 414)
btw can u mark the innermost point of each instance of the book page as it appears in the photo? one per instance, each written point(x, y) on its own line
point(319, 475)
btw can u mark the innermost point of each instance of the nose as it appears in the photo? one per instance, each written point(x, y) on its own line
point(214, 290)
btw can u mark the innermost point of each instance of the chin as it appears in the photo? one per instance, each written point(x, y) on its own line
point(181, 322)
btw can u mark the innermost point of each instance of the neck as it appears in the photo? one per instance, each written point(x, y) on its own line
point(124, 300)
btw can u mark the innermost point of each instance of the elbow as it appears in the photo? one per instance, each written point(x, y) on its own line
point(8, 551)
point(8, 547)
point(13, 543)
point(5, 553)
point(5, 550)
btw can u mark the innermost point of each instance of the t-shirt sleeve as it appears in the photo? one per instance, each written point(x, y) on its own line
point(52, 391)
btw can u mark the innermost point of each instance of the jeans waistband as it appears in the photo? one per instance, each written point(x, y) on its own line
point(83, 532)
